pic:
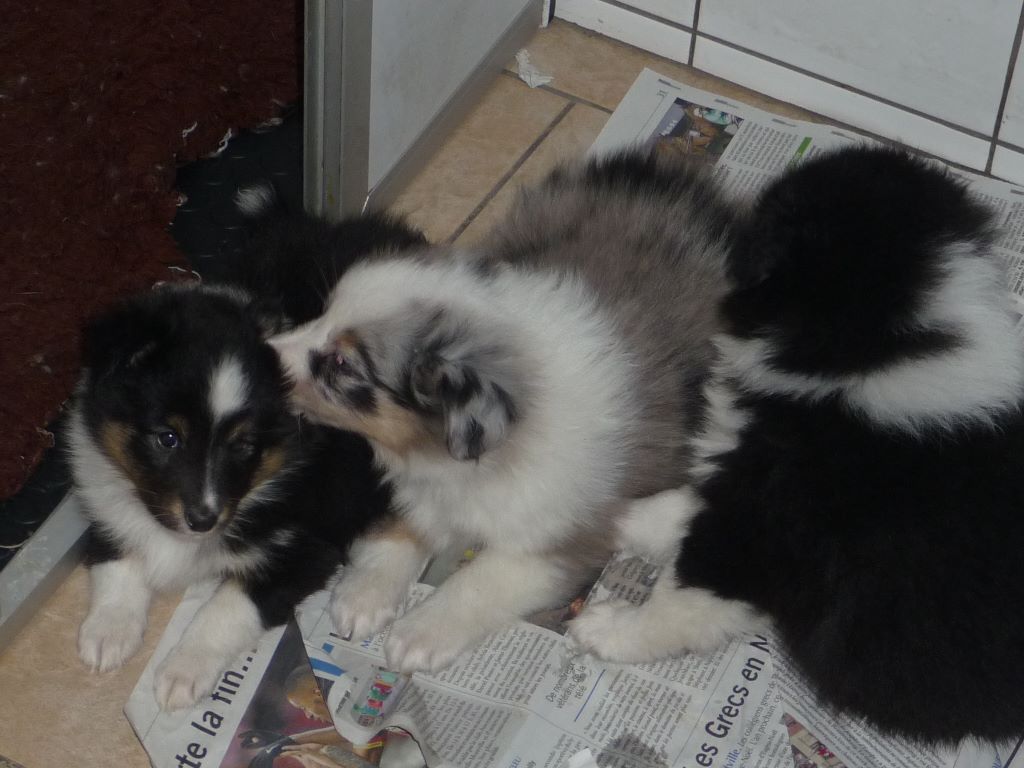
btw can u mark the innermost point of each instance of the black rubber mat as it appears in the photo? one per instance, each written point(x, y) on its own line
point(23, 513)
point(207, 226)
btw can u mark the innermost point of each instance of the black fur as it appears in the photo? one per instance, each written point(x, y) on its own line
point(148, 363)
point(292, 260)
point(890, 562)
point(839, 255)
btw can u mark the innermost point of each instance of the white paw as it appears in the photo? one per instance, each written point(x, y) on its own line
point(365, 601)
point(608, 630)
point(109, 636)
point(430, 637)
point(186, 676)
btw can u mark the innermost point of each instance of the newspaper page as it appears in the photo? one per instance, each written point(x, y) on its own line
point(523, 699)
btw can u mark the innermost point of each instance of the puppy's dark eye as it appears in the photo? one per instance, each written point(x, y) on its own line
point(168, 438)
point(342, 364)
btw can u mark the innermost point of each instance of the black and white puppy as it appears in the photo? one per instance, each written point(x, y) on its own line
point(518, 396)
point(190, 465)
point(861, 481)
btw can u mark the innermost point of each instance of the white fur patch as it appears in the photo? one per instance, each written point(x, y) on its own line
point(724, 423)
point(255, 201)
point(226, 626)
point(980, 379)
point(374, 585)
point(229, 389)
point(491, 592)
point(653, 527)
point(673, 621)
point(118, 606)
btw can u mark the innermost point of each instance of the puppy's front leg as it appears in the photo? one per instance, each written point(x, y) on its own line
point(652, 527)
point(227, 624)
point(673, 621)
point(381, 568)
point(491, 592)
point(118, 606)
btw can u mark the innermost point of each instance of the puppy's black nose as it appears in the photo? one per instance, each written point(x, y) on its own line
point(201, 518)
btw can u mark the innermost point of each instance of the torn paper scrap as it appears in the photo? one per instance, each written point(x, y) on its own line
point(528, 73)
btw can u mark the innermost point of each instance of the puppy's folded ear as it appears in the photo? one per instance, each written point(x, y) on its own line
point(121, 337)
point(469, 383)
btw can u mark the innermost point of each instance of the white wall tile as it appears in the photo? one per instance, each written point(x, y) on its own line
point(1012, 128)
point(622, 24)
point(840, 104)
point(946, 58)
point(679, 11)
point(1008, 164)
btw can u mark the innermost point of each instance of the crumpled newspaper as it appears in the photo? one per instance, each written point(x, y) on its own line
point(528, 73)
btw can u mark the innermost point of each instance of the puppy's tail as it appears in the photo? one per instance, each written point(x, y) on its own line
point(258, 201)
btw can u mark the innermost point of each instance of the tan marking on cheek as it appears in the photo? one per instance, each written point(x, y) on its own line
point(270, 464)
point(176, 507)
point(396, 428)
point(114, 437)
point(305, 396)
point(175, 512)
point(347, 341)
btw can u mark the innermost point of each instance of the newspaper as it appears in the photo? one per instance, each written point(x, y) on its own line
point(525, 699)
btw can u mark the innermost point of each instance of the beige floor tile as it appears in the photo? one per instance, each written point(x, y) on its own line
point(478, 154)
point(568, 140)
point(53, 711)
point(598, 69)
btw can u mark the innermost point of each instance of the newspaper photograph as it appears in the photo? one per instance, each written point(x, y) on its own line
point(525, 698)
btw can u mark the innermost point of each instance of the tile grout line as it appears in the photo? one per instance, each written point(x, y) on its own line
point(825, 120)
point(852, 89)
point(1011, 65)
point(1019, 148)
point(832, 123)
point(696, 33)
point(577, 99)
point(563, 94)
point(500, 184)
point(693, 34)
point(646, 15)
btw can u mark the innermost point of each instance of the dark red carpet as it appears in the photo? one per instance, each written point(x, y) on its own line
point(100, 102)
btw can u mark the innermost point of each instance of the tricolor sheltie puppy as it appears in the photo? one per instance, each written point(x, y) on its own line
point(861, 475)
point(518, 396)
point(190, 466)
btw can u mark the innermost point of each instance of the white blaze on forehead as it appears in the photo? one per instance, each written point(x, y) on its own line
point(228, 388)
